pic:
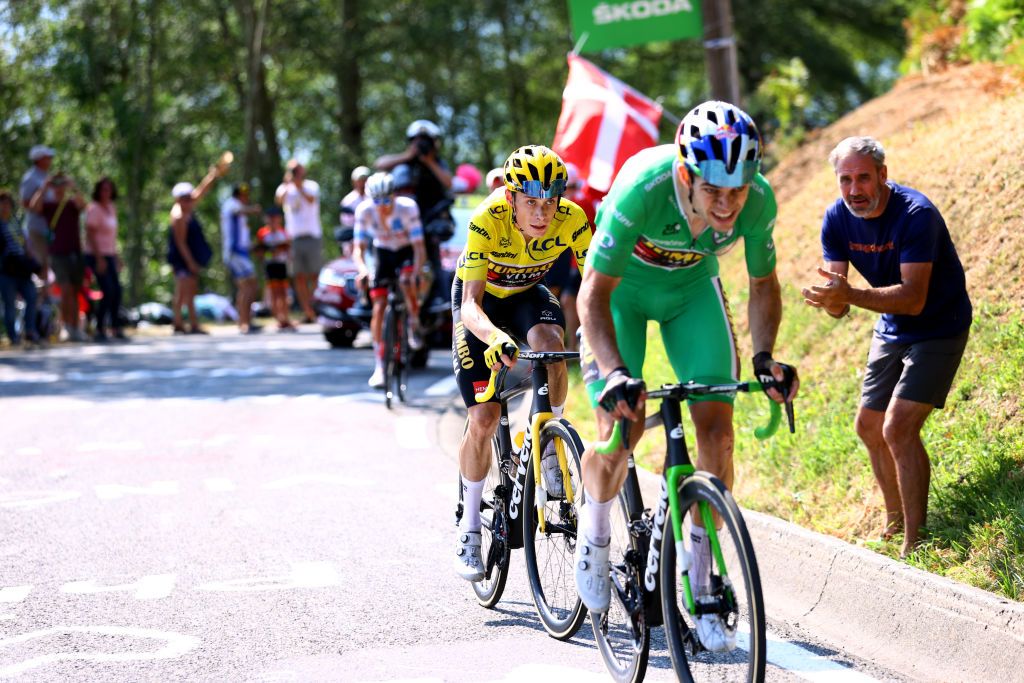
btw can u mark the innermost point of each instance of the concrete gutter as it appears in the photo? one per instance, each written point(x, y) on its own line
point(920, 625)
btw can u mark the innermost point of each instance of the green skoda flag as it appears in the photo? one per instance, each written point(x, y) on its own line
point(612, 23)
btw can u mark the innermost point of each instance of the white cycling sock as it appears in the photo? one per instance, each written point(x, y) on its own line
point(596, 520)
point(557, 410)
point(472, 492)
point(700, 569)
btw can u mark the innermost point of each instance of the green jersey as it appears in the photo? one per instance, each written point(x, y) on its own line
point(643, 236)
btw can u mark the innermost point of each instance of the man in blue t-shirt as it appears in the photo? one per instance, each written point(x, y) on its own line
point(896, 238)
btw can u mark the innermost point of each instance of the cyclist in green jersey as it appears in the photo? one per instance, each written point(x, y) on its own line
point(671, 211)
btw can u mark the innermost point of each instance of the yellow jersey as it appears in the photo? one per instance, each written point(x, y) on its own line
point(496, 250)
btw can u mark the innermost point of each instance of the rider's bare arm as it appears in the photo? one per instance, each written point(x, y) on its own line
point(906, 298)
point(473, 316)
point(764, 311)
point(594, 305)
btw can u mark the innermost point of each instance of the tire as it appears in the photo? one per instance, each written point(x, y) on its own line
point(402, 353)
point(493, 525)
point(389, 353)
point(622, 634)
point(549, 555)
point(741, 586)
point(340, 338)
point(418, 359)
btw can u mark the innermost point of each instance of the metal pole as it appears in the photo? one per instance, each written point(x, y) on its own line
point(720, 51)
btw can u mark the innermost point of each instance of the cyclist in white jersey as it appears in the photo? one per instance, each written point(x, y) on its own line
point(391, 223)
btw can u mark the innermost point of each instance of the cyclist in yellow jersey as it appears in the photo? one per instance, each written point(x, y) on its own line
point(515, 236)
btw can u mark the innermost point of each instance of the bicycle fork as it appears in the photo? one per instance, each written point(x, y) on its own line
point(540, 413)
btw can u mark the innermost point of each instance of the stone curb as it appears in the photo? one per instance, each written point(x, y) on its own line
point(917, 624)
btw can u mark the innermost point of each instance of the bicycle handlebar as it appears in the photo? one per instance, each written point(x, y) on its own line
point(511, 351)
point(620, 431)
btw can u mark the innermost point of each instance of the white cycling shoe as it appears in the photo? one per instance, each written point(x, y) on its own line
point(376, 380)
point(468, 564)
point(712, 632)
point(593, 575)
point(552, 473)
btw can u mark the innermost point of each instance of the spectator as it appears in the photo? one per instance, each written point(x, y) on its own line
point(420, 172)
point(494, 179)
point(101, 257)
point(896, 238)
point(188, 252)
point(354, 198)
point(234, 226)
point(38, 230)
point(63, 217)
point(272, 239)
point(16, 268)
point(300, 198)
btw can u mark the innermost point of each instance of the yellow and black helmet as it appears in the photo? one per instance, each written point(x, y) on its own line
point(536, 171)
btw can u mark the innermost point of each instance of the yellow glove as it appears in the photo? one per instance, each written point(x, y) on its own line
point(499, 343)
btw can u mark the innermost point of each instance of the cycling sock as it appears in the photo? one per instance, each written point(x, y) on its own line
point(700, 567)
point(557, 410)
point(472, 492)
point(597, 520)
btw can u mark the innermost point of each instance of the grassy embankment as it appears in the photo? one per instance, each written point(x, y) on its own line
point(968, 162)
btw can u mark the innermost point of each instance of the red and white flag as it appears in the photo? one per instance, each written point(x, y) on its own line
point(603, 123)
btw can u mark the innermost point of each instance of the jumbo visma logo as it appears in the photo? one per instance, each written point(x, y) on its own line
point(662, 257)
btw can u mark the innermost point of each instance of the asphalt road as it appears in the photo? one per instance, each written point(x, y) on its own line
point(244, 509)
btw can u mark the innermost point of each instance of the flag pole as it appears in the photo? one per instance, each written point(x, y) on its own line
point(666, 114)
point(579, 43)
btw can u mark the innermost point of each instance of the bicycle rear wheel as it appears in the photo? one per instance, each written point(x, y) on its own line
point(736, 593)
point(549, 555)
point(622, 634)
point(494, 529)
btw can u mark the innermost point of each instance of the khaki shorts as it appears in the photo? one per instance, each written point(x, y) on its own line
point(307, 255)
point(922, 372)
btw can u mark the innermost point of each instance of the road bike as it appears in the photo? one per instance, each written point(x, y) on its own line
point(650, 559)
point(397, 355)
point(517, 511)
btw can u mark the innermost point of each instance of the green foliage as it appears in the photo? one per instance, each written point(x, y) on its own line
point(994, 31)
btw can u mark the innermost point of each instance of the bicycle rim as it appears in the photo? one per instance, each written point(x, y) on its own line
point(493, 525)
point(549, 555)
point(737, 592)
point(402, 366)
point(389, 356)
point(622, 635)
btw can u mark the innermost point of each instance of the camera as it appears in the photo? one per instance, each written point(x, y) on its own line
point(424, 144)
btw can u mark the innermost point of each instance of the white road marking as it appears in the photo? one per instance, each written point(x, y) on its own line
point(14, 593)
point(18, 376)
point(411, 432)
point(443, 387)
point(157, 488)
point(29, 450)
point(303, 575)
point(151, 587)
point(175, 645)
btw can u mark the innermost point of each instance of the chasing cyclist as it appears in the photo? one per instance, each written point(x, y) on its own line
point(514, 238)
point(392, 224)
point(671, 211)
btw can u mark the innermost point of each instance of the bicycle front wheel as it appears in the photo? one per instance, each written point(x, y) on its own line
point(549, 554)
point(494, 529)
point(401, 354)
point(622, 634)
point(390, 330)
point(733, 596)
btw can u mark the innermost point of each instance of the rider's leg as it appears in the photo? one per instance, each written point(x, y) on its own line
point(474, 459)
point(546, 337)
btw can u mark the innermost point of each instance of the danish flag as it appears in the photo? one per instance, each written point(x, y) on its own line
point(603, 123)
